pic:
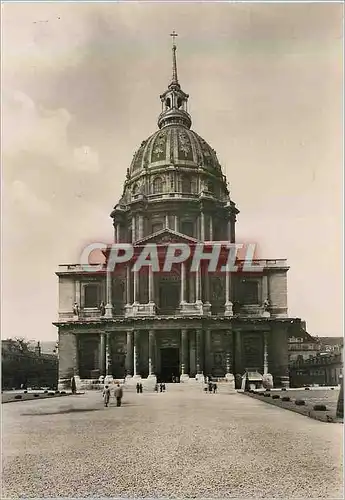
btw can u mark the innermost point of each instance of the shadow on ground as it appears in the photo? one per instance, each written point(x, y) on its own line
point(60, 412)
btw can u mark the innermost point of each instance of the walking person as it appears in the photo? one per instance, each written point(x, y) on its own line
point(215, 388)
point(138, 387)
point(141, 388)
point(118, 393)
point(106, 396)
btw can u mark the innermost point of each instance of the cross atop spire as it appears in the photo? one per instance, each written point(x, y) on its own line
point(174, 79)
point(173, 35)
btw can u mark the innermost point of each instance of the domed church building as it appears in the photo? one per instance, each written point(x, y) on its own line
point(177, 325)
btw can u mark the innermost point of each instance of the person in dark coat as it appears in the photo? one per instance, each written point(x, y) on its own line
point(118, 393)
point(106, 395)
point(73, 386)
point(141, 388)
point(138, 388)
point(215, 388)
point(210, 387)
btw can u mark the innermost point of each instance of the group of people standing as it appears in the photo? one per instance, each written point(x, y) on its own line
point(211, 387)
point(118, 394)
point(160, 387)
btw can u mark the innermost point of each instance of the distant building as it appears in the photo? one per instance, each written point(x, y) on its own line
point(331, 344)
point(302, 345)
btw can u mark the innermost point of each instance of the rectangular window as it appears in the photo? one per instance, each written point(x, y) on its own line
point(91, 295)
point(249, 292)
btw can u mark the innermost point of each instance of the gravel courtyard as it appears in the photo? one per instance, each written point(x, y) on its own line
point(178, 444)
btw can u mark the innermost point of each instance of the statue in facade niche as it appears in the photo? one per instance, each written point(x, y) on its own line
point(102, 308)
point(75, 309)
point(266, 305)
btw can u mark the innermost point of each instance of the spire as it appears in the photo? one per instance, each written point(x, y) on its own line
point(174, 100)
point(174, 80)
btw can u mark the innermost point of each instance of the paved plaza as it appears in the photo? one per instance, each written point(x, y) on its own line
point(179, 444)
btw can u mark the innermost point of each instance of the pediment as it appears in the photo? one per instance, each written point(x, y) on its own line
point(164, 237)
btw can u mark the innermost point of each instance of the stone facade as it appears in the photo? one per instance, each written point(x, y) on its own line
point(180, 323)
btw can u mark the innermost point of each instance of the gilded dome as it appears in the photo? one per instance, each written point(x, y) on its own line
point(175, 145)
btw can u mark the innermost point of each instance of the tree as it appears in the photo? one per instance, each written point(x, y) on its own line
point(22, 366)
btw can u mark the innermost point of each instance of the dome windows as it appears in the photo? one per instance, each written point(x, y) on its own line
point(158, 185)
point(186, 184)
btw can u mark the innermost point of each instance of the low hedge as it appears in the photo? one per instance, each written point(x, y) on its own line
point(18, 396)
point(286, 398)
point(275, 396)
point(300, 402)
point(319, 407)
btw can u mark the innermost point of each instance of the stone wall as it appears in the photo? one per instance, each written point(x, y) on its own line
point(68, 355)
point(66, 293)
point(277, 285)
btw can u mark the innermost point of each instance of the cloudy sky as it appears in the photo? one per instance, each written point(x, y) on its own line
point(81, 85)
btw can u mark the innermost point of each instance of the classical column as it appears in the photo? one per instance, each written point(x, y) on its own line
point(265, 354)
point(133, 229)
point(108, 355)
point(197, 286)
point(207, 286)
point(267, 377)
point(184, 354)
point(135, 287)
point(183, 282)
point(228, 340)
point(116, 233)
point(176, 223)
point(151, 285)
point(152, 347)
point(208, 364)
point(166, 220)
point(198, 349)
point(76, 362)
point(109, 305)
point(238, 362)
point(229, 230)
point(102, 354)
point(128, 284)
point(77, 293)
point(228, 303)
point(202, 226)
point(136, 354)
point(141, 227)
point(211, 228)
point(264, 288)
point(129, 354)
